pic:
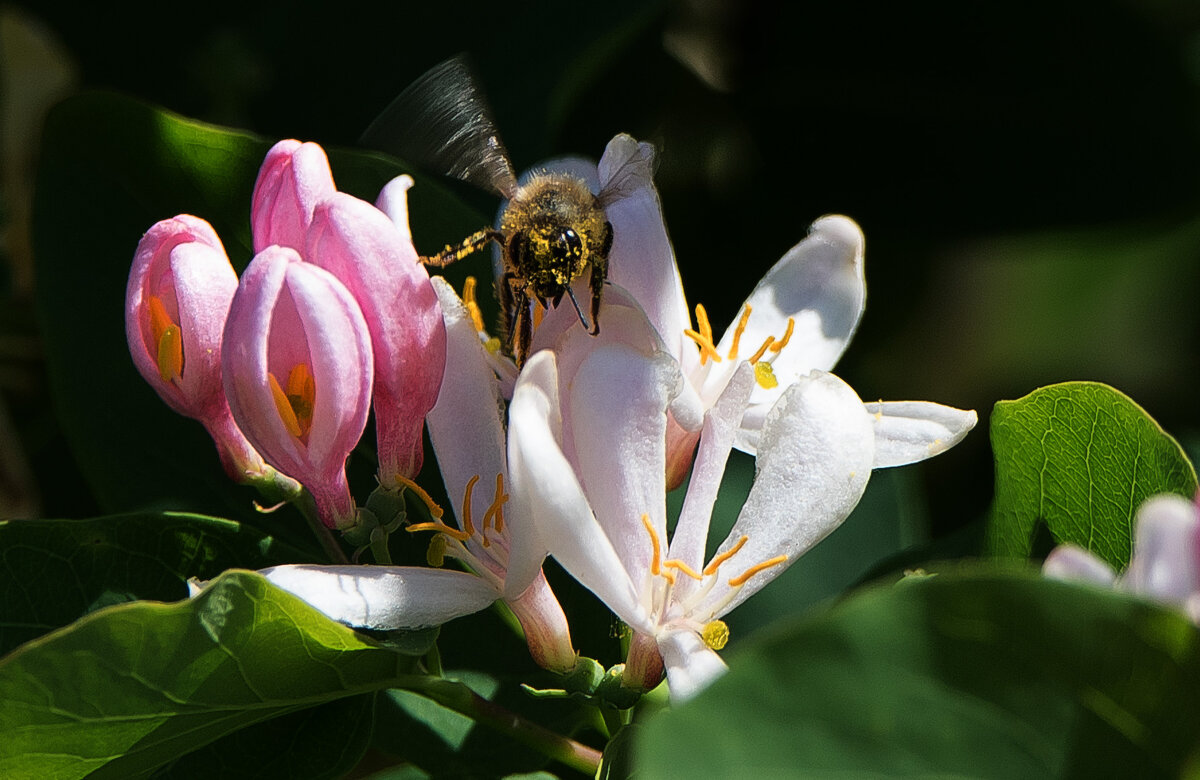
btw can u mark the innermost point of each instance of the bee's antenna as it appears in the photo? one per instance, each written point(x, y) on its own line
point(583, 319)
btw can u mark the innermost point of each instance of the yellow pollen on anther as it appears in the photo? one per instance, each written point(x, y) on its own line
point(757, 356)
point(787, 336)
point(441, 528)
point(283, 405)
point(765, 375)
point(471, 305)
point(495, 512)
point(492, 345)
point(170, 354)
point(715, 634)
point(467, 525)
point(738, 331)
point(435, 554)
point(679, 565)
point(656, 549)
point(712, 567)
point(435, 511)
point(755, 569)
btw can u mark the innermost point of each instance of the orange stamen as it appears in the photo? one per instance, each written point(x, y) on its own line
point(284, 406)
point(441, 528)
point(787, 336)
point(434, 510)
point(170, 354)
point(707, 349)
point(468, 527)
point(679, 565)
point(755, 569)
point(711, 568)
point(539, 312)
point(737, 332)
point(757, 356)
point(470, 303)
point(655, 567)
point(496, 511)
point(159, 319)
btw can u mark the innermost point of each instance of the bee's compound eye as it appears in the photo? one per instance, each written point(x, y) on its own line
point(567, 245)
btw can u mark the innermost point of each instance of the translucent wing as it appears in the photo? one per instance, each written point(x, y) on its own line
point(637, 168)
point(442, 122)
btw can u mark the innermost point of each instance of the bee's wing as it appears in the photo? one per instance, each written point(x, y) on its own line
point(442, 122)
point(636, 168)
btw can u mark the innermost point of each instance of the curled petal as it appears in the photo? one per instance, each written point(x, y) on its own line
point(393, 201)
point(691, 665)
point(1070, 563)
point(1166, 550)
point(546, 490)
point(385, 598)
point(911, 431)
point(817, 448)
point(358, 244)
point(293, 179)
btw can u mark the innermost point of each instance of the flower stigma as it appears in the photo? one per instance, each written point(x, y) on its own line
point(715, 634)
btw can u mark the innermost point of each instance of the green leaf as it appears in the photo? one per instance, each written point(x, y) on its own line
point(130, 688)
point(54, 571)
point(967, 676)
point(1080, 457)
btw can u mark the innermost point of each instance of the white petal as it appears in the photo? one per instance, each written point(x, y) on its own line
point(911, 431)
point(721, 422)
point(1166, 545)
point(385, 597)
point(814, 459)
point(1075, 564)
point(691, 665)
point(819, 283)
point(614, 431)
point(545, 488)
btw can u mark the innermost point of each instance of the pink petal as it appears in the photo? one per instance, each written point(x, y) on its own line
point(293, 179)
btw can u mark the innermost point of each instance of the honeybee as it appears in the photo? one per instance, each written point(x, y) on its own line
point(552, 229)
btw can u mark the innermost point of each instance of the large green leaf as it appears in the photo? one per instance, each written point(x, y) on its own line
point(130, 688)
point(1079, 457)
point(964, 676)
point(110, 168)
point(54, 571)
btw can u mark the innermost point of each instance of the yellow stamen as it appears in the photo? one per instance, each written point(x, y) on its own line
point(170, 354)
point(737, 333)
point(435, 555)
point(711, 568)
point(702, 321)
point(755, 569)
point(302, 394)
point(679, 565)
point(707, 348)
point(765, 375)
point(539, 312)
point(757, 356)
point(470, 303)
point(655, 567)
point(492, 345)
point(440, 528)
point(284, 406)
point(467, 525)
point(495, 512)
point(435, 511)
point(159, 319)
point(669, 576)
point(715, 634)
point(787, 336)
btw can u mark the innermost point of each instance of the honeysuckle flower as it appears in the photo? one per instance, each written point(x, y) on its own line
point(588, 453)
point(178, 295)
point(1164, 566)
point(297, 369)
point(466, 428)
point(296, 204)
point(798, 318)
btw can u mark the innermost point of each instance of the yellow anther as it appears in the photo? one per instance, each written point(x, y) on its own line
point(435, 554)
point(170, 354)
point(702, 321)
point(679, 565)
point(787, 336)
point(757, 356)
point(159, 319)
point(435, 511)
point(737, 333)
point(715, 634)
point(707, 349)
point(440, 528)
point(712, 567)
point(495, 512)
point(765, 375)
point(669, 576)
point(492, 345)
point(755, 569)
point(467, 525)
point(656, 553)
point(470, 303)
point(283, 405)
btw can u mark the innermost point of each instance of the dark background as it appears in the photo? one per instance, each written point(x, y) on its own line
point(1025, 172)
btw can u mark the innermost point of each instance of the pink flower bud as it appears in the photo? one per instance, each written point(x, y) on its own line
point(176, 301)
point(297, 372)
point(293, 179)
point(360, 245)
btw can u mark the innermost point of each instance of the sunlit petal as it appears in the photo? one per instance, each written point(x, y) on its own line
point(691, 665)
point(911, 431)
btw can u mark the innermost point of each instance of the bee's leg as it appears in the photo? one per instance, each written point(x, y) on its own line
point(600, 276)
point(470, 244)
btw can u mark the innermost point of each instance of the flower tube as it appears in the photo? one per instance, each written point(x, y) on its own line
point(297, 369)
point(293, 180)
point(178, 296)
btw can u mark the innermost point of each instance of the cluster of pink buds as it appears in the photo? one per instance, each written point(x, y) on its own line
point(333, 314)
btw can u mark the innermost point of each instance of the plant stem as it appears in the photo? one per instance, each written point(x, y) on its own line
point(309, 509)
point(461, 699)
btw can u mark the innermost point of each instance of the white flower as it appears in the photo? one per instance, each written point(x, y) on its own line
point(1165, 565)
